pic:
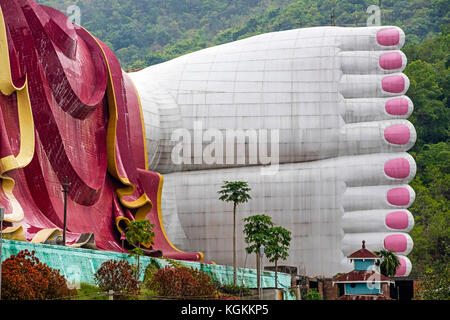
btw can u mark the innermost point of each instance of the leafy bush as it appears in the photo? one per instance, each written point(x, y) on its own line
point(435, 285)
point(312, 295)
point(182, 282)
point(24, 277)
point(233, 289)
point(119, 276)
point(174, 263)
point(150, 271)
point(226, 296)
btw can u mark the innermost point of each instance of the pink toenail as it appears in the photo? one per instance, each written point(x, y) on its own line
point(398, 196)
point(401, 269)
point(393, 84)
point(397, 134)
point(388, 37)
point(391, 60)
point(397, 168)
point(396, 242)
point(397, 220)
point(397, 107)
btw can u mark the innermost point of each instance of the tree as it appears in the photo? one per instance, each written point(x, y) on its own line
point(236, 192)
point(257, 230)
point(429, 99)
point(181, 282)
point(277, 247)
point(118, 276)
point(313, 295)
point(436, 284)
point(139, 232)
point(389, 262)
point(430, 82)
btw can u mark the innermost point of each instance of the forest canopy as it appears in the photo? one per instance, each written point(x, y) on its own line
point(146, 32)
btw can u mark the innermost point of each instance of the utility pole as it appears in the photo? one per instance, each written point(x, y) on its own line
point(2, 215)
point(65, 190)
point(123, 238)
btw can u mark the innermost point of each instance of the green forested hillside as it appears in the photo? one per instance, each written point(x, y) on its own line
point(145, 32)
point(137, 28)
point(430, 81)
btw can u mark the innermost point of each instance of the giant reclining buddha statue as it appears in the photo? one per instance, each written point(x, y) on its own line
point(313, 119)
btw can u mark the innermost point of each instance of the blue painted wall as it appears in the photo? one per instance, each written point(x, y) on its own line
point(364, 265)
point(362, 288)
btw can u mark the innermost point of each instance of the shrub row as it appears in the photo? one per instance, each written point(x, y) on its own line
point(24, 277)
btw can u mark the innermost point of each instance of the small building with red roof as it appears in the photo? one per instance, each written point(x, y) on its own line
point(364, 282)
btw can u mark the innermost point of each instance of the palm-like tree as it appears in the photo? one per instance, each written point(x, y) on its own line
point(389, 262)
point(236, 192)
point(278, 247)
point(257, 230)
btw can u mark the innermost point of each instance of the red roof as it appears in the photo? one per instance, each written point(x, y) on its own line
point(363, 253)
point(364, 297)
point(362, 276)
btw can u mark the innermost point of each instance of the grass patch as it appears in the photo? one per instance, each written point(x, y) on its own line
point(90, 292)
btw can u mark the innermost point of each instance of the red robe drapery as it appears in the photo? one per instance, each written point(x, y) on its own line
point(68, 110)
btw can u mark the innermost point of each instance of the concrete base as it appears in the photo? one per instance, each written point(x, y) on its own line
point(269, 294)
